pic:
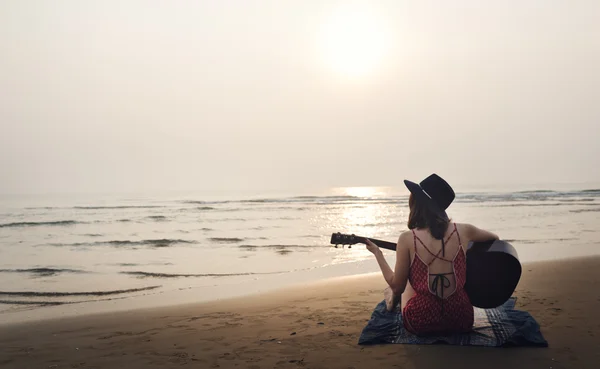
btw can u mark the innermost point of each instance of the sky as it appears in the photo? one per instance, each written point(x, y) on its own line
point(257, 95)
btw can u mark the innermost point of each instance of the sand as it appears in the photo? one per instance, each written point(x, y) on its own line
point(316, 326)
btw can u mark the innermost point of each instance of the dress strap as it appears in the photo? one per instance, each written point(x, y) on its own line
point(457, 235)
point(436, 256)
point(451, 234)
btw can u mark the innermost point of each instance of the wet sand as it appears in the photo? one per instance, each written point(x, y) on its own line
point(315, 326)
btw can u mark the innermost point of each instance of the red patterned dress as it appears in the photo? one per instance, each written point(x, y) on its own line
point(428, 312)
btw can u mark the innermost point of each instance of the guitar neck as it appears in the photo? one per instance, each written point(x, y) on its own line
point(380, 243)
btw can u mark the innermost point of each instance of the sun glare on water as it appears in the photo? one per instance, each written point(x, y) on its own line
point(361, 191)
point(354, 40)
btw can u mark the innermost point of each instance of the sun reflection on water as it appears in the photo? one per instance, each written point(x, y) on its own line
point(364, 192)
point(371, 212)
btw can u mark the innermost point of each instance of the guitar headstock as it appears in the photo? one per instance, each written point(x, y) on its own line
point(343, 239)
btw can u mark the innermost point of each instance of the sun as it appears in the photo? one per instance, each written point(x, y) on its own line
point(354, 40)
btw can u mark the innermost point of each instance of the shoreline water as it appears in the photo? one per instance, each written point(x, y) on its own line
point(316, 327)
point(196, 249)
point(157, 298)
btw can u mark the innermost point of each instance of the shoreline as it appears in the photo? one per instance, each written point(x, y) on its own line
point(230, 292)
point(318, 287)
point(315, 326)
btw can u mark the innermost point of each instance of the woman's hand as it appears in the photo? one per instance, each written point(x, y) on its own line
point(372, 247)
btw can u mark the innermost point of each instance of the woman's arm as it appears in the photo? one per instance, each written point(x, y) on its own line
point(398, 277)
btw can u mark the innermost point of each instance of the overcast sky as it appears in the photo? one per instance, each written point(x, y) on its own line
point(126, 96)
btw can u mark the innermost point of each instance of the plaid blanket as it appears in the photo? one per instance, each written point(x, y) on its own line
point(502, 326)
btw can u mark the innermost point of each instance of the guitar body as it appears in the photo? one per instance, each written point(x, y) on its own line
point(493, 268)
point(493, 272)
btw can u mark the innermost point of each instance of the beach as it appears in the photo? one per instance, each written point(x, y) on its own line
point(253, 282)
point(314, 325)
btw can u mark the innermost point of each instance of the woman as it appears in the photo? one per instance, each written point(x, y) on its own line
point(432, 257)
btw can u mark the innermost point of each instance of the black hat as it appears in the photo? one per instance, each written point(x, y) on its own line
point(433, 191)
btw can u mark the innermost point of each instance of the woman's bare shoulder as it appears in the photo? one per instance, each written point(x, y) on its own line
point(406, 235)
point(474, 233)
point(405, 239)
point(464, 227)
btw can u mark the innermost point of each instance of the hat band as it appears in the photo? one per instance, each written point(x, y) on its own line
point(425, 192)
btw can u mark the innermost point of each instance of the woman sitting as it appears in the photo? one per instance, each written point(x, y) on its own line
point(432, 257)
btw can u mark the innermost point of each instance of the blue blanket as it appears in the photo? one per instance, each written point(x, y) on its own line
point(502, 326)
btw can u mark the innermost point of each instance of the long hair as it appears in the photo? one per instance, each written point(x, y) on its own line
point(421, 217)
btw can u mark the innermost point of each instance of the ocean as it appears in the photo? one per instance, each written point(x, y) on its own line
point(86, 253)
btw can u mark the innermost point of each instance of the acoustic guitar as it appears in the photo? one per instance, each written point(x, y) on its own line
point(493, 268)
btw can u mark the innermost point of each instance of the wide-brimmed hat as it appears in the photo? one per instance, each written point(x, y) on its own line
point(434, 191)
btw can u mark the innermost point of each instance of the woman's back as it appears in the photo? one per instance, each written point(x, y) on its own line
point(438, 275)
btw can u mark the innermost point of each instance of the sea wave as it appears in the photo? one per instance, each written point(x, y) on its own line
point(536, 191)
point(300, 199)
point(142, 274)
point(541, 195)
point(117, 207)
point(220, 220)
point(63, 294)
point(293, 207)
point(226, 239)
point(523, 241)
point(303, 199)
point(280, 249)
point(38, 303)
point(342, 197)
point(577, 200)
point(260, 228)
point(523, 205)
point(523, 196)
point(379, 224)
point(534, 241)
point(139, 264)
point(594, 210)
point(158, 218)
point(252, 247)
point(199, 202)
point(42, 272)
point(37, 224)
point(163, 242)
